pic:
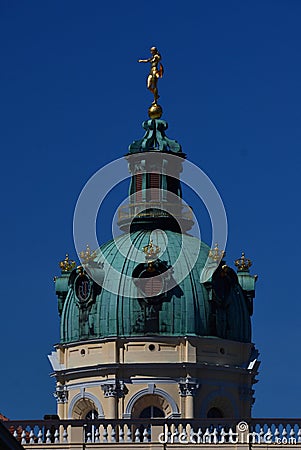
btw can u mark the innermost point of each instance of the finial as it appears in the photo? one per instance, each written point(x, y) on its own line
point(215, 254)
point(67, 264)
point(86, 256)
point(243, 264)
point(151, 251)
point(156, 72)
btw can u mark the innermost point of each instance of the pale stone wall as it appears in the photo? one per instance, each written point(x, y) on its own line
point(184, 377)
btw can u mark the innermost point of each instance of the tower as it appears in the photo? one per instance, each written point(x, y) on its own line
point(142, 333)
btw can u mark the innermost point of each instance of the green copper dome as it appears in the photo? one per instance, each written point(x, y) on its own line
point(121, 291)
point(217, 308)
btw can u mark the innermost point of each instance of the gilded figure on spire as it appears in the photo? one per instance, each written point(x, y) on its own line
point(156, 71)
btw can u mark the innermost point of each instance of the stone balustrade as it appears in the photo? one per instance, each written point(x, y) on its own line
point(174, 433)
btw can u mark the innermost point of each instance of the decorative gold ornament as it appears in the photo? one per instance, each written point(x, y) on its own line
point(151, 251)
point(155, 111)
point(86, 256)
point(243, 263)
point(156, 72)
point(215, 254)
point(67, 264)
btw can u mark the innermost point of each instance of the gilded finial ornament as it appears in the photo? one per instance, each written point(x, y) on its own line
point(87, 255)
point(67, 264)
point(243, 264)
point(216, 254)
point(156, 72)
point(151, 251)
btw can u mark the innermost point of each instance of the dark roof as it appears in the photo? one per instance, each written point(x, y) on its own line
point(7, 441)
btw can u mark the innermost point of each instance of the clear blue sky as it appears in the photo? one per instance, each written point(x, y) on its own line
point(72, 97)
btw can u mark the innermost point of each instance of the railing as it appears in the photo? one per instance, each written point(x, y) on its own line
point(155, 209)
point(162, 431)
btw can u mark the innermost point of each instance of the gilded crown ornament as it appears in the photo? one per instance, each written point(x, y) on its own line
point(156, 72)
point(87, 255)
point(151, 251)
point(243, 264)
point(67, 264)
point(216, 254)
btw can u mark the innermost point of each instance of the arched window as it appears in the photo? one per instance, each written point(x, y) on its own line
point(146, 401)
point(151, 412)
point(214, 413)
point(92, 414)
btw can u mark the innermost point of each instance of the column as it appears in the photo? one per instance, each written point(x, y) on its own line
point(187, 389)
point(112, 391)
point(61, 395)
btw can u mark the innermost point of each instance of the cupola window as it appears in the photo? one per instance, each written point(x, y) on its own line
point(138, 180)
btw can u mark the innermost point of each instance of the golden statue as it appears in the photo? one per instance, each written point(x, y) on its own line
point(156, 71)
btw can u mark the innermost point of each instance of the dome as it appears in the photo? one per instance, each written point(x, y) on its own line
point(217, 308)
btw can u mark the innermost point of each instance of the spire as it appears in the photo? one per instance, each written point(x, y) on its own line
point(155, 163)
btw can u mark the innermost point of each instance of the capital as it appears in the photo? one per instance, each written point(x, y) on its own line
point(61, 394)
point(116, 388)
point(188, 386)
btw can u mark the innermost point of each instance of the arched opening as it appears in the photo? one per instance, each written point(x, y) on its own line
point(85, 408)
point(218, 407)
point(148, 407)
point(151, 406)
point(151, 412)
point(215, 413)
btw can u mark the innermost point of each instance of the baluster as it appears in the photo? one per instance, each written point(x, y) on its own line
point(40, 436)
point(113, 434)
point(137, 435)
point(292, 435)
point(276, 435)
point(65, 435)
point(89, 440)
point(231, 434)
point(184, 433)
point(31, 436)
point(56, 436)
point(105, 433)
point(97, 435)
point(284, 435)
point(176, 434)
point(168, 434)
point(129, 434)
point(299, 435)
point(23, 436)
point(15, 434)
point(199, 435)
point(223, 435)
point(145, 435)
point(261, 435)
point(268, 438)
point(215, 434)
point(48, 436)
point(121, 433)
point(206, 436)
